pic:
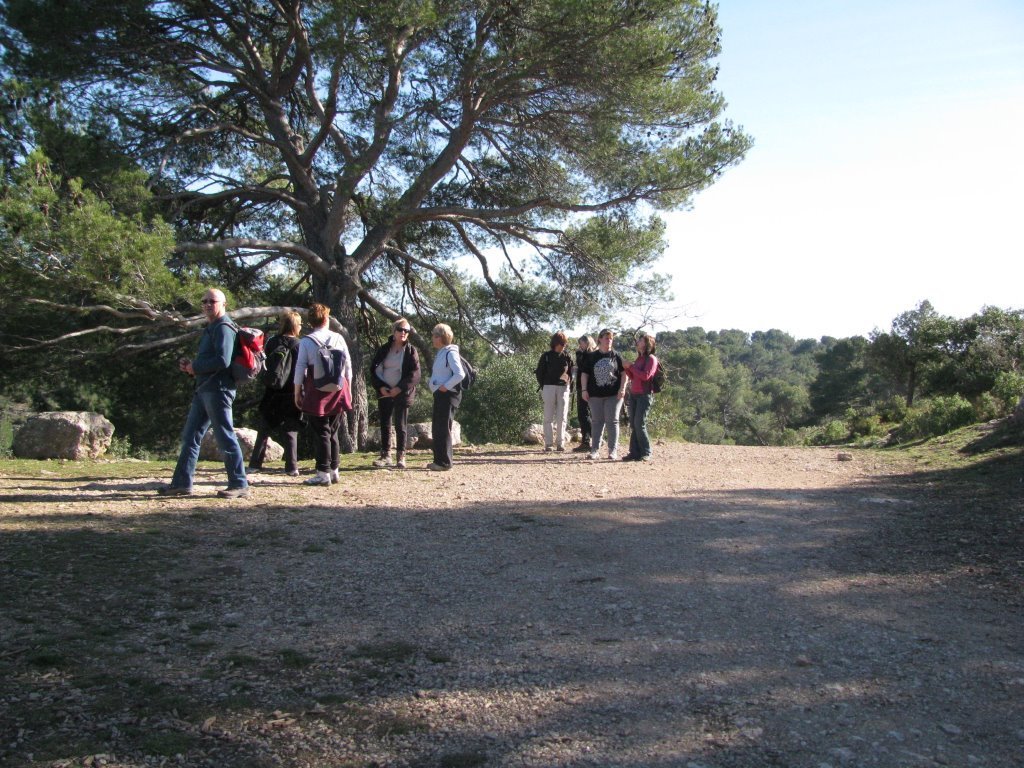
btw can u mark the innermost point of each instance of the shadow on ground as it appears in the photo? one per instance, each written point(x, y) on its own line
point(875, 624)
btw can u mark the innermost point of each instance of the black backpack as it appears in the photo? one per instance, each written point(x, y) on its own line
point(331, 362)
point(658, 379)
point(470, 378)
point(280, 365)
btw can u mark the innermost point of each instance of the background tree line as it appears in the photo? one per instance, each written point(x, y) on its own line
point(497, 166)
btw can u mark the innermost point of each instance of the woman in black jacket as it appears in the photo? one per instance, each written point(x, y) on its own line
point(587, 346)
point(554, 379)
point(395, 372)
point(277, 408)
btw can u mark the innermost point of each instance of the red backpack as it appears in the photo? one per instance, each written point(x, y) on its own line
point(247, 357)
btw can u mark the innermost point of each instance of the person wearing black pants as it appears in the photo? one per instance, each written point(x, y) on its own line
point(323, 405)
point(445, 405)
point(587, 346)
point(395, 373)
point(445, 380)
point(277, 408)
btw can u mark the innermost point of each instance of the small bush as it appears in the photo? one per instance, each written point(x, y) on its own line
point(831, 433)
point(893, 410)
point(1008, 390)
point(503, 402)
point(936, 417)
point(705, 432)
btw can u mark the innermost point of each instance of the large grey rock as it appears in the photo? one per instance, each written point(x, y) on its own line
point(420, 435)
point(63, 435)
point(208, 450)
point(534, 435)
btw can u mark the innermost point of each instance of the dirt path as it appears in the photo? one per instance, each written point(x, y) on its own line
point(718, 607)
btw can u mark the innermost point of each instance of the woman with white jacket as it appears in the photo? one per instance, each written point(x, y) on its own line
point(445, 380)
point(325, 409)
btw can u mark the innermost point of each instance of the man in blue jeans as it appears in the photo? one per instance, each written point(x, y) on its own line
point(211, 404)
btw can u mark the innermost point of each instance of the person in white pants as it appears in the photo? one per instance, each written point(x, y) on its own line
point(554, 377)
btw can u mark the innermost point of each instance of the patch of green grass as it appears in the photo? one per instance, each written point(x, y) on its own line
point(94, 469)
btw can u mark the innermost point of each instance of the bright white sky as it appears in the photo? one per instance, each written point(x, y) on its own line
point(887, 168)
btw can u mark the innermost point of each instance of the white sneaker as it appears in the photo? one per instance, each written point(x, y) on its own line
point(383, 461)
point(335, 477)
point(613, 456)
point(320, 478)
point(592, 455)
point(400, 463)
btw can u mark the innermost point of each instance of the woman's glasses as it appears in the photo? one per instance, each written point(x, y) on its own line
point(403, 330)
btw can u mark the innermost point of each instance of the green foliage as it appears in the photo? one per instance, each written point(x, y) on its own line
point(833, 432)
point(936, 416)
point(665, 419)
point(503, 402)
point(61, 241)
point(1008, 390)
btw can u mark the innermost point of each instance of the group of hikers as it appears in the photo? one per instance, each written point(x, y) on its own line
point(600, 375)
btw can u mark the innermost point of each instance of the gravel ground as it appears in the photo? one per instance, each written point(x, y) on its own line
point(720, 606)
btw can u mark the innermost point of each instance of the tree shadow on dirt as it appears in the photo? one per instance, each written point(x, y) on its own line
point(739, 628)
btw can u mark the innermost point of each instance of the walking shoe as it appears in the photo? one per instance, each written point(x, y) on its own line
point(292, 472)
point(400, 463)
point(630, 457)
point(335, 477)
point(437, 467)
point(582, 448)
point(613, 456)
point(646, 458)
point(383, 461)
point(548, 449)
point(560, 449)
point(173, 490)
point(592, 456)
point(320, 478)
point(253, 470)
point(233, 493)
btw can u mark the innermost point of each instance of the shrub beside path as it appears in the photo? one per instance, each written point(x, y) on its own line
point(718, 607)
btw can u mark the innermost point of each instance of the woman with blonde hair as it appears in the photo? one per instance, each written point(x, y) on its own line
point(277, 408)
point(585, 347)
point(395, 372)
point(445, 380)
point(324, 408)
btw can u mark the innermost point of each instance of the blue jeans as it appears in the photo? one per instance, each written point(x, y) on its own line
point(639, 440)
point(211, 405)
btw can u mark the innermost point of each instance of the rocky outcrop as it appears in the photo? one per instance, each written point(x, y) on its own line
point(208, 450)
point(63, 435)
